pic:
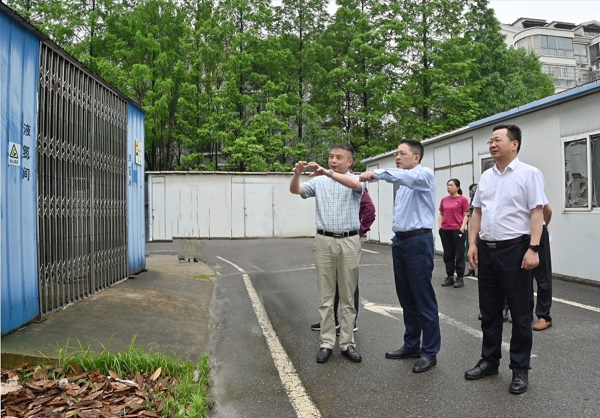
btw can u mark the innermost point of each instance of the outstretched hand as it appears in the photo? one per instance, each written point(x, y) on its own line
point(317, 170)
point(367, 176)
point(300, 167)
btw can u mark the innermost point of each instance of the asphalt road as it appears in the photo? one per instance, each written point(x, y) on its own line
point(564, 380)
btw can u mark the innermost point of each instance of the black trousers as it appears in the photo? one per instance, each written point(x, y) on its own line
point(543, 276)
point(501, 276)
point(453, 242)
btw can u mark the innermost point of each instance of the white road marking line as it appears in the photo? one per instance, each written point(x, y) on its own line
point(312, 267)
point(369, 251)
point(577, 304)
point(565, 301)
point(257, 268)
point(292, 384)
point(385, 309)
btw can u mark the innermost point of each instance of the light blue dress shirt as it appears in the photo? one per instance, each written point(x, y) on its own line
point(414, 206)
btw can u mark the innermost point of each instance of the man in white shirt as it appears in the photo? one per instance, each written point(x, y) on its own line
point(504, 240)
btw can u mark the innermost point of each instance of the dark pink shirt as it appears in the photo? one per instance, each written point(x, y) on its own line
point(453, 209)
point(366, 213)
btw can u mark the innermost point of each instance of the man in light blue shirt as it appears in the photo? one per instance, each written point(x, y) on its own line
point(412, 252)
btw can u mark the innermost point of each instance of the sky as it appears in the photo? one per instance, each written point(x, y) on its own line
point(572, 11)
point(507, 11)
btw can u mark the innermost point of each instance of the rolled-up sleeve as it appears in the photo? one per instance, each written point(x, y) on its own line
point(417, 179)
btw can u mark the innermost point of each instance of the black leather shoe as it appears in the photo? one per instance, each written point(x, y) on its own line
point(324, 354)
point(423, 364)
point(351, 354)
point(448, 281)
point(402, 353)
point(459, 283)
point(482, 369)
point(519, 383)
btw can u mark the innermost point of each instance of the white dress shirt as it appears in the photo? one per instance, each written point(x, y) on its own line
point(506, 200)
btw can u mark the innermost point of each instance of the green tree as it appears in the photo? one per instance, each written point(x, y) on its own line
point(438, 65)
point(243, 85)
point(200, 110)
point(247, 25)
point(363, 73)
point(505, 77)
point(525, 81)
point(141, 53)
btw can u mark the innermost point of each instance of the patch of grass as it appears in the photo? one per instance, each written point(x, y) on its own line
point(203, 277)
point(188, 397)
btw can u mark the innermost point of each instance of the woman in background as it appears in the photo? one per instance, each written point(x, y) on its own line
point(453, 224)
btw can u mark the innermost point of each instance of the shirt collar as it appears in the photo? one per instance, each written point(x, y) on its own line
point(512, 166)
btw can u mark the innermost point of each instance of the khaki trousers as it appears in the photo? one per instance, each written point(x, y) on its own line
point(337, 260)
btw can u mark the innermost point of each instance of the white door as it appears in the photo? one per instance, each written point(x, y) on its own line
point(258, 210)
point(159, 216)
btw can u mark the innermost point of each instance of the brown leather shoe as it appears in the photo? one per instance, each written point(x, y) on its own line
point(542, 324)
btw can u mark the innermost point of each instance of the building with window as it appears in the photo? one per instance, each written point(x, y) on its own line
point(561, 137)
point(568, 51)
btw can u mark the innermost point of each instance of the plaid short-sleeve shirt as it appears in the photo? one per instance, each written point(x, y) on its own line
point(337, 206)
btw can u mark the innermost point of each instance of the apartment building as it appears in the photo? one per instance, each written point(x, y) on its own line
point(568, 51)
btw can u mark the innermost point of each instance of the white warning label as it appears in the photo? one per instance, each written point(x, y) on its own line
point(14, 153)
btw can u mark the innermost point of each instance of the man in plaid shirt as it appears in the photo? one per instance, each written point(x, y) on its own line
point(337, 194)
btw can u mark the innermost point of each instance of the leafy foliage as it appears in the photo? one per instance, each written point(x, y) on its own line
point(248, 85)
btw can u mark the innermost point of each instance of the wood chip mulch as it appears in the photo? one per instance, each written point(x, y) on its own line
point(81, 394)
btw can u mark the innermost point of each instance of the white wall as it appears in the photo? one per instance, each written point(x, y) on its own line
point(226, 205)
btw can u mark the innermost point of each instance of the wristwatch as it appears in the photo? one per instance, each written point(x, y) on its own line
point(330, 173)
point(535, 248)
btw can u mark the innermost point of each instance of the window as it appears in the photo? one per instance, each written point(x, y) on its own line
point(487, 163)
point(595, 54)
point(581, 53)
point(547, 45)
point(562, 76)
point(595, 142)
point(582, 172)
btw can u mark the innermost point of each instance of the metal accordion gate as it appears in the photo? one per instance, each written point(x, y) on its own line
point(81, 183)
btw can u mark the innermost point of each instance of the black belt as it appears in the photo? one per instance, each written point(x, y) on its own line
point(413, 233)
point(497, 245)
point(337, 234)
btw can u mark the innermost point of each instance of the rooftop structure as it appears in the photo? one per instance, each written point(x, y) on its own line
point(570, 52)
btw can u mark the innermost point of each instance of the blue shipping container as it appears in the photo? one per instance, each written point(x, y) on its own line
point(19, 70)
point(136, 231)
